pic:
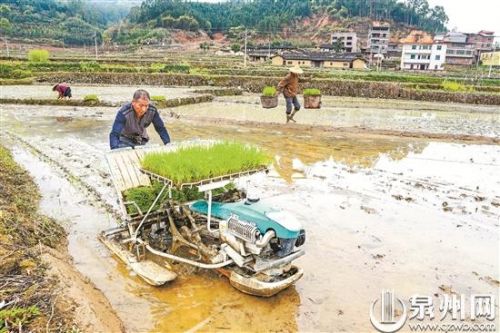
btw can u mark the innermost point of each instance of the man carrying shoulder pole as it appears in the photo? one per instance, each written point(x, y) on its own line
point(289, 86)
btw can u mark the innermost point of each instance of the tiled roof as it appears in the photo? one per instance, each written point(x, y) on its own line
point(327, 46)
point(260, 52)
point(320, 56)
point(485, 32)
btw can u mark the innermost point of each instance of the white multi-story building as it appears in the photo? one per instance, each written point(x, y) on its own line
point(421, 52)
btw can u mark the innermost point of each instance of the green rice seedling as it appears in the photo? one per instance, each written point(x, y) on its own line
point(144, 196)
point(312, 92)
point(91, 98)
point(158, 98)
point(269, 91)
point(89, 66)
point(193, 164)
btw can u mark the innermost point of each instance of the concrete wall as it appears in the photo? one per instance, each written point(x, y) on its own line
point(438, 56)
point(336, 64)
point(358, 64)
point(300, 63)
point(277, 61)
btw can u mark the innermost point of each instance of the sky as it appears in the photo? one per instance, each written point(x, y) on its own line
point(471, 16)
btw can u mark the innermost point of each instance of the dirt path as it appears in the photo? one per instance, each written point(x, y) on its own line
point(68, 199)
point(92, 310)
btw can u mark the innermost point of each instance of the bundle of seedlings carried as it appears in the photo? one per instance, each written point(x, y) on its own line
point(312, 98)
point(269, 98)
point(197, 163)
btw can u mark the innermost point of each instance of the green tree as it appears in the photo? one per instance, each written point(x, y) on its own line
point(236, 47)
point(5, 25)
point(338, 46)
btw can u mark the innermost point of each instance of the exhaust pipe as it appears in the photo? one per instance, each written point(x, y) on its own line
point(265, 239)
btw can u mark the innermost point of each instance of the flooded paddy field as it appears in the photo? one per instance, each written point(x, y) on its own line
point(106, 93)
point(412, 214)
point(372, 114)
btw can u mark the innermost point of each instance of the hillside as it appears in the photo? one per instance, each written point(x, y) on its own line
point(171, 22)
point(73, 22)
point(266, 20)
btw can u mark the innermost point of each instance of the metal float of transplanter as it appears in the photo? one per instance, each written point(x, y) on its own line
point(246, 240)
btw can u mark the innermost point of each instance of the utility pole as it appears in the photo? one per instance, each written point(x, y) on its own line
point(245, 55)
point(95, 43)
point(7, 46)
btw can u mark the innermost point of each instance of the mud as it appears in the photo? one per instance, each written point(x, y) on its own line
point(362, 114)
point(112, 94)
point(381, 211)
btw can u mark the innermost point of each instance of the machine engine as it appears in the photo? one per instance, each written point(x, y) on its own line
point(254, 232)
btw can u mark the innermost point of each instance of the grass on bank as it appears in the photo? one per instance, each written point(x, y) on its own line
point(16, 69)
point(39, 55)
point(455, 86)
point(201, 162)
point(22, 273)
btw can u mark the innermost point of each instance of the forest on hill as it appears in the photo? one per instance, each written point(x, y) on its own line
point(273, 15)
point(78, 22)
point(73, 22)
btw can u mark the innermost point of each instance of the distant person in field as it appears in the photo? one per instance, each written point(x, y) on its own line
point(289, 86)
point(129, 128)
point(63, 89)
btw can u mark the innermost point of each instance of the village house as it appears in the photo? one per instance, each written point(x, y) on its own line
point(421, 52)
point(327, 47)
point(394, 48)
point(378, 38)
point(348, 40)
point(320, 60)
point(483, 41)
point(458, 51)
point(260, 55)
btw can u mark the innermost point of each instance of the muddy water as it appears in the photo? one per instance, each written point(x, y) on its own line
point(405, 116)
point(380, 212)
point(105, 93)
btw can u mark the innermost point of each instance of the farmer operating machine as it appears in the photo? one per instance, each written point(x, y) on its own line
point(206, 223)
